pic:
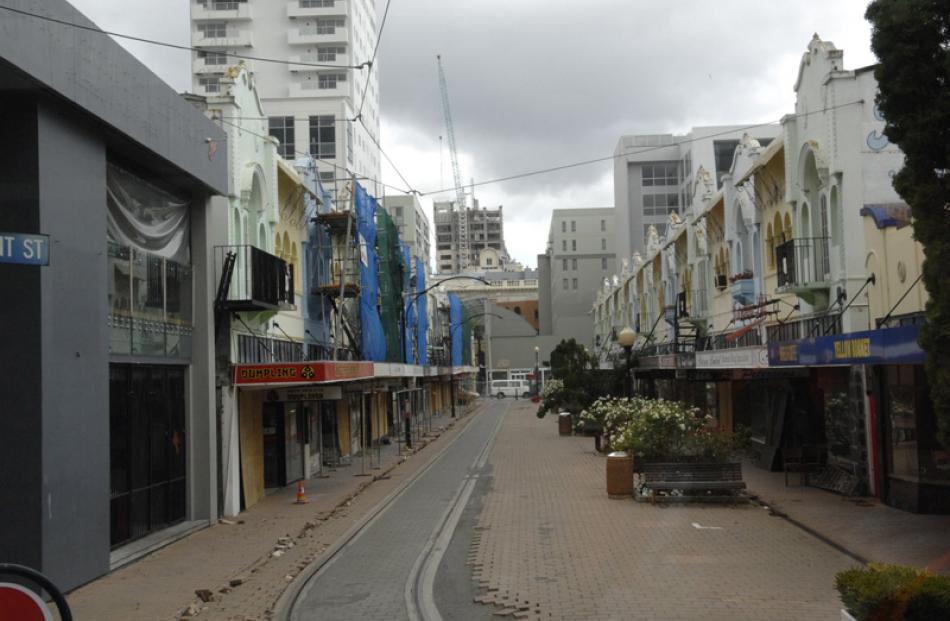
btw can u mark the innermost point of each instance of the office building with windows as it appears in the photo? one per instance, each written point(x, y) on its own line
point(413, 225)
point(580, 255)
point(654, 176)
point(311, 100)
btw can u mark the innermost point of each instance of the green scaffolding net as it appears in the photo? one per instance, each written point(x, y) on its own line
point(391, 281)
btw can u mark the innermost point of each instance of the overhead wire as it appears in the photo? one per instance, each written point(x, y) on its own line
point(372, 61)
point(176, 46)
point(369, 65)
point(306, 154)
point(608, 158)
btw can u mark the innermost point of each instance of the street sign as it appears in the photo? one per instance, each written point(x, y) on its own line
point(24, 249)
point(17, 602)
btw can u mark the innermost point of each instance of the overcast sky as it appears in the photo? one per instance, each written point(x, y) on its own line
point(535, 83)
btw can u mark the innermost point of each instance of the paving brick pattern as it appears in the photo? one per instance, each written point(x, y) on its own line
point(549, 544)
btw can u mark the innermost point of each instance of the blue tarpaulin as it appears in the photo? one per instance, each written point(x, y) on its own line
point(455, 328)
point(422, 330)
point(374, 341)
point(408, 337)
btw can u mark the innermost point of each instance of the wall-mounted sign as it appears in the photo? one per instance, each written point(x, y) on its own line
point(308, 393)
point(886, 346)
point(740, 358)
point(300, 372)
point(23, 249)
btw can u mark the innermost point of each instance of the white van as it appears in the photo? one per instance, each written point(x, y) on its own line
point(510, 388)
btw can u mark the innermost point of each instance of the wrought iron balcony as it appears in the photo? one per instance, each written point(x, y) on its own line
point(804, 264)
point(250, 279)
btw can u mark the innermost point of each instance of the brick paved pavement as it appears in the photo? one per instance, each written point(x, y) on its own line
point(549, 544)
point(863, 526)
point(161, 585)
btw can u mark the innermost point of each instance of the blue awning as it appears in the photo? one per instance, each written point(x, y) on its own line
point(885, 346)
point(888, 214)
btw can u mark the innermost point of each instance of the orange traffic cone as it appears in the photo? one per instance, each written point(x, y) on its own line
point(301, 494)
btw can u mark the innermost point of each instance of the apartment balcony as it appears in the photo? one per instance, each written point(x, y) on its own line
point(233, 38)
point(342, 60)
point(219, 10)
point(743, 289)
point(199, 66)
point(297, 8)
point(803, 264)
point(311, 88)
point(251, 279)
point(316, 37)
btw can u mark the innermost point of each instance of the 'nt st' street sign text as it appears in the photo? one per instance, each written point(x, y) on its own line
point(23, 249)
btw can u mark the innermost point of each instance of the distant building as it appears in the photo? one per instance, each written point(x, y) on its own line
point(413, 225)
point(580, 254)
point(654, 174)
point(309, 105)
point(462, 236)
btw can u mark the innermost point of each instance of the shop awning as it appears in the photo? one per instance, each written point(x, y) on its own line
point(300, 373)
point(885, 346)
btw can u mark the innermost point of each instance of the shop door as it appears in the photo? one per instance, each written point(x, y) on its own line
point(147, 449)
point(274, 458)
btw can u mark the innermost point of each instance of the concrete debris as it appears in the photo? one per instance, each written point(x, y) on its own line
point(277, 553)
point(236, 582)
point(191, 611)
point(205, 595)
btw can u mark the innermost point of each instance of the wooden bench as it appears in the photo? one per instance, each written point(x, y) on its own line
point(692, 477)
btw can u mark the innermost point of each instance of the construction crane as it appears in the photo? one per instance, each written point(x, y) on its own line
point(463, 246)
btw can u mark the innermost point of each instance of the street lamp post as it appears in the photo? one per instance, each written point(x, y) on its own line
point(537, 371)
point(626, 339)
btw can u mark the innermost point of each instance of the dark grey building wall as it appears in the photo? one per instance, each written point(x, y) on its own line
point(98, 75)
point(544, 294)
point(20, 398)
point(54, 482)
point(75, 357)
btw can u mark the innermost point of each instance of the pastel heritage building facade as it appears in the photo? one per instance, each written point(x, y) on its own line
point(788, 300)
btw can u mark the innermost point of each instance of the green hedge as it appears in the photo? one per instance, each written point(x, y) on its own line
point(894, 593)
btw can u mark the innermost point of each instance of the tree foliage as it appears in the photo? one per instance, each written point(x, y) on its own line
point(911, 38)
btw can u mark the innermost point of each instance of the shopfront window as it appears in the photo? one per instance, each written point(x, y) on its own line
point(913, 452)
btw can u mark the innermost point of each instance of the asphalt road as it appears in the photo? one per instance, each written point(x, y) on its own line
point(413, 549)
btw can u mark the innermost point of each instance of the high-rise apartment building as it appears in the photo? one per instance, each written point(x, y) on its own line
point(413, 225)
point(654, 174)
point(482, 229)
point(312, 98)
point(580, 254)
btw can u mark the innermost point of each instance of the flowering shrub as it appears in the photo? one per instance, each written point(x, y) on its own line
point(660, 430)
point(608, 414)
point(552, 396)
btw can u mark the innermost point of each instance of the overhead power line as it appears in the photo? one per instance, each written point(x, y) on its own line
point(541, 171)
point(306, 154)
point(372, 63)
point(174, 46)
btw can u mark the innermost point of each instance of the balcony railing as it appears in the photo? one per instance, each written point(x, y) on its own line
point(221, 9)
point(722, 341)
point(259, 280)
point(808, 327)
point(804, 263)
